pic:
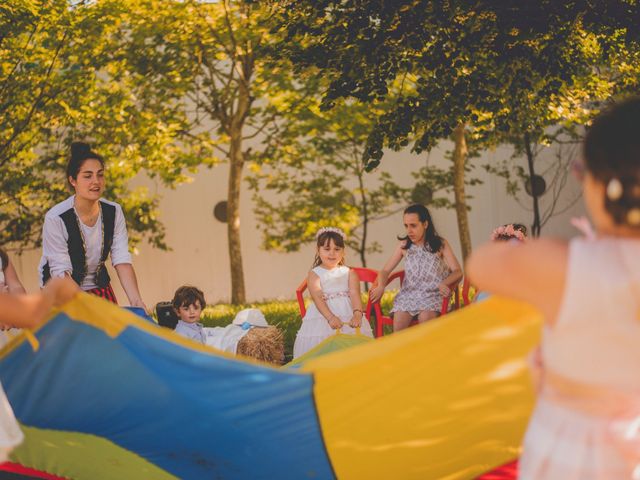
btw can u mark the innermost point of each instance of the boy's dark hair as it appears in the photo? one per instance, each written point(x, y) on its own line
point(5, 259)
point(188, 295)
point(324, 239)
point(80, 152)
point(432, 241)
point(612, 154)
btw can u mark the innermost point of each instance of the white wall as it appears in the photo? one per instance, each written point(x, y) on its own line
point(199, 242)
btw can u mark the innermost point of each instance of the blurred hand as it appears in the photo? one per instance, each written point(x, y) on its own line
point(356, 320)
point(60, 290)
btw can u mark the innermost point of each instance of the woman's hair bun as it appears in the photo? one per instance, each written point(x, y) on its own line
point(80, 150)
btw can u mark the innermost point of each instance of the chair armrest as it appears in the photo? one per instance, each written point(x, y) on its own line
point(299, 291)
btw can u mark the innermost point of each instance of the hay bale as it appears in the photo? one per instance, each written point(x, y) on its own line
point(265, 344)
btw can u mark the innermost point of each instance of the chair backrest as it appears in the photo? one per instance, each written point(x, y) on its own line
point(364, 274)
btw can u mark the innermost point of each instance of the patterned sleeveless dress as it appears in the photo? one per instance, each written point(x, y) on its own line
point(423, 272)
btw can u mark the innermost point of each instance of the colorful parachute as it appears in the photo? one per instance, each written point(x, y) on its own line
point(108, 395)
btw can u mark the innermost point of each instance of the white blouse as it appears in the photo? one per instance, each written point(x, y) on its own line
point(55, 250)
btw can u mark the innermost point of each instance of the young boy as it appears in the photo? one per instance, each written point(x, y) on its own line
point(188, 303)
point(248, 335)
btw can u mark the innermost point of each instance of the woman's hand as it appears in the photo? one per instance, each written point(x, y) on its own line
point(137, 302)
point(375, 294)
point(356, 320)
point(335, 322)
point(445, 291)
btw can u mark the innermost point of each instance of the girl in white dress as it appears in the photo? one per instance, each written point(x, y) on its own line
point(586, 424)
point(26, 311)
point(335, 291)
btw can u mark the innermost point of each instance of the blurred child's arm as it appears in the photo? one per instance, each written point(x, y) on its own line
point(375, 293)
point(356, 300)
point(12, 281)
point(315, 290)
point(533, 271)
point(456, 271)
point(31, 310)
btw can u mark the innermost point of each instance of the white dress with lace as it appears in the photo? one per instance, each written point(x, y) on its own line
point(10, 434)
point(586, 424)
point(315, 328)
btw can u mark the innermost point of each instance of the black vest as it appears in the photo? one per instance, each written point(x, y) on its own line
point(75, 246)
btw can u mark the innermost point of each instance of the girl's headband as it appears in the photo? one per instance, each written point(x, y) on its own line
point(331, 229)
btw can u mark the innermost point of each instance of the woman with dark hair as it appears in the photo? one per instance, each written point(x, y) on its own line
point(430, 267)
point(82, 231)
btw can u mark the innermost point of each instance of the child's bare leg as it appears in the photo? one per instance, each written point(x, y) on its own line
point(401, 320)
point(426, 315)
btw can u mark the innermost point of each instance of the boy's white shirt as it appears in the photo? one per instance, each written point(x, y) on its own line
point(221, 338)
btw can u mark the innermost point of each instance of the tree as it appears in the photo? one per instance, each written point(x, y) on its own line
point(57, 84)
point(314, 164)
point(539, 122)
point(469, 64)
point(214, 56)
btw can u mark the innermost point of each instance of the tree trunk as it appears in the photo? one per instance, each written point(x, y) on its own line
point(365, 218)
point(459, 161)
point(536, 227)
point(236, 162)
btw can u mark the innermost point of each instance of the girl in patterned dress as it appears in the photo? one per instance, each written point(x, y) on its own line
point(335, 290)
point(429, 268)
point(586, 424)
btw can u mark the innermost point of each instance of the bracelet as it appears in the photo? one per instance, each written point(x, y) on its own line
point(358, 310)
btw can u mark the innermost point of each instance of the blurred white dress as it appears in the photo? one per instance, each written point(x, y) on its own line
point(586, 424)
point(10, 433)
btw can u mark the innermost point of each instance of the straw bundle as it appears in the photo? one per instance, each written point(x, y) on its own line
point(265, 344)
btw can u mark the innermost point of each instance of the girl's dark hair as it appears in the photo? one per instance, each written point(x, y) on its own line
point(324, 239)
point(432, 241)
point(188, 295)
point(5, 259)
point(612, 151)
point(80, 152)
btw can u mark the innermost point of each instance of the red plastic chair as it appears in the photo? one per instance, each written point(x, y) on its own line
point(364, 274)
point(387, 320)
point(465, 292)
